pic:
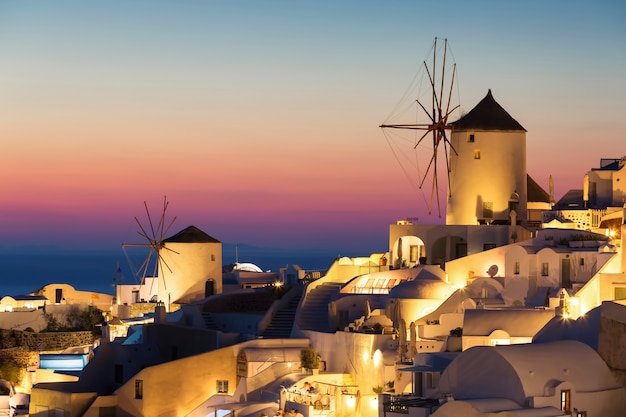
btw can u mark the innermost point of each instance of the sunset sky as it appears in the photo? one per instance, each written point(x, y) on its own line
point(259, 119)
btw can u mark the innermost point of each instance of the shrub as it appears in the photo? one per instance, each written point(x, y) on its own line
point(456, 332)
point(309, 359)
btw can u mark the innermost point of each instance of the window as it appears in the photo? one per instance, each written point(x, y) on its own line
point(544, 269)
point(476, 153)
point(212, 257)
point(118, 373)
point(488, 246)
point(565, 400)
point(516, 268)
point(413, 253)
point(581, 414)
point(138, 389)
point(222, 386)
point(471, 138)
point(487, 210)
point(581, 262)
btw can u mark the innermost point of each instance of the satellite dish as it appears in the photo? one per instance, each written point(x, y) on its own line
point(493, 270)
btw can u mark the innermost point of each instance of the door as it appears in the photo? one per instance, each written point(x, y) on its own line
point(565, 273)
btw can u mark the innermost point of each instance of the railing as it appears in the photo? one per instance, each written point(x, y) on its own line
point(401, 404)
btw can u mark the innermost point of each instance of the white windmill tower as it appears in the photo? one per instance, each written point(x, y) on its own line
point(488, 178)
point(195, 267)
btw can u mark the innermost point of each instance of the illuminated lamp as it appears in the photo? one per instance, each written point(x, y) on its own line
point(377, 357)
point(351, 401)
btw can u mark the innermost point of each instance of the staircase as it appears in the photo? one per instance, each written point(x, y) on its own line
point(282, 321)
point(314, 312)
point(209, 323)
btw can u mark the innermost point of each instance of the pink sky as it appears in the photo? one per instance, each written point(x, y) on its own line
point(260, 124)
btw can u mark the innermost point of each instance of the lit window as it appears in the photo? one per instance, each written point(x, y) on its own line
point(516, 268)
point(544, 269)
point(222, 386)
point(471, 138)
point(138, 389)
point(581, 414)
point(476, 153)
point(565, 400)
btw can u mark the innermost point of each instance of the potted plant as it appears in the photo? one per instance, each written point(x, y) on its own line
point(309, 359)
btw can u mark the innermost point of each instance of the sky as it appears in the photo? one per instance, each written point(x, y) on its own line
point(258, 120)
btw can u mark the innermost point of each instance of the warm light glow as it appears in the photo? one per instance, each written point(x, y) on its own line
point(365, 356)
point(378, 356)
point(374, 402)
point(278, 284)
point(427, 310)
point(351, 401)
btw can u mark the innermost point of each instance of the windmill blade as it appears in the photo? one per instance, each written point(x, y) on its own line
point(162, 260)
point(420, 140)
point(167, 230)
point(450, 92)
point(144, 267)
point(438, 73)
point(170, 250)
point(149, 220)
point(409, 126)
point(434, 95)
point(445, 146)
point(142, 232)
point(434, 187)
point(160, 226)
point(426, 111)
point(443, 73)
point(430, 164)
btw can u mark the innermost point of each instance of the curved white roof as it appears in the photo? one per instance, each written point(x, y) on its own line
point(517, 372)
point(429, 283)
point(246, 266)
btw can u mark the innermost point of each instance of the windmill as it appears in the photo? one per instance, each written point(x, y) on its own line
point(435, 83)
point(154, 235)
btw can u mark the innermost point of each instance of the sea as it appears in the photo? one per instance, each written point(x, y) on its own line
point(26, 269)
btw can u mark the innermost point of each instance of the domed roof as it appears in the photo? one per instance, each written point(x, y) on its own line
point(427, 284)
point(487, 115)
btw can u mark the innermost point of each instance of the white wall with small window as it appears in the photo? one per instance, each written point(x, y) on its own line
point(548, 268)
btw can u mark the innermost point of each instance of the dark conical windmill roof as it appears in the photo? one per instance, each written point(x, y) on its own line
point(487, 115)
point(191, 235)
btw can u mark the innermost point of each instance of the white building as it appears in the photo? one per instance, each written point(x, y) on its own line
point(559, 378)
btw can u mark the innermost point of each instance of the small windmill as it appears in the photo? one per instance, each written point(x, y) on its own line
point(432, 118)
point(154, 235)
